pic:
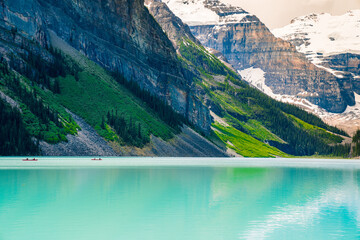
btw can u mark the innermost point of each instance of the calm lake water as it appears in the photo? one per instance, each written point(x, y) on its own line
point(179, 203)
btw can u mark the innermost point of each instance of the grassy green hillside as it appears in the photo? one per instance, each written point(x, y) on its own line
point(87, 90)
point(251, 123)
point(95, 95)
point(244, 144)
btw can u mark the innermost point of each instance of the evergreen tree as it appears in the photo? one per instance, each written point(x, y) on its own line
point(356, 142)
point(14, 138)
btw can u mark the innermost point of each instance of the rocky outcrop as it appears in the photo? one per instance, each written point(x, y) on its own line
point(119, 35)
point(175, 29)
point(345, 62)
point(248, 43)
point(187, 144)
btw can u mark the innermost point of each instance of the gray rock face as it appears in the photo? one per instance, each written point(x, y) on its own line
point(186, 144)
point(347, 62)
point(120, 35)
point(349, 66)
point(251, 44)
point(24, 16)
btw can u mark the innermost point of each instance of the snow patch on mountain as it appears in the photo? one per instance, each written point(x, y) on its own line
point(192, 12)
point(321, 35)
point(205, 12)
point(256, 77)
point(349, 120)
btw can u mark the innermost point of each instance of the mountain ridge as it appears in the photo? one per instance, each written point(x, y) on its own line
point(248, 44)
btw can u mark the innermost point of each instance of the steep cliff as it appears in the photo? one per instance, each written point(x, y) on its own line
point(248, 44)
point(119, 35)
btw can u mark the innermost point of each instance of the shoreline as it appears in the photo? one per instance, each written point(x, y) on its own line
point(134, 162)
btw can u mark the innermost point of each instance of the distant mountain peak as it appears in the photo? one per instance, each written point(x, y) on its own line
point(207, 12)
point(315, 17)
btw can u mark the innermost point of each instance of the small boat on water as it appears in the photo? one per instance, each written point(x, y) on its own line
point(30, 160)
point(96, 159)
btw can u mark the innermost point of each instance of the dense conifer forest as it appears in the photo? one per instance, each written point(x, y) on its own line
point(356, 142)
point(15, 140)
point(127, 129)
point(164, 110)
point(276, 116)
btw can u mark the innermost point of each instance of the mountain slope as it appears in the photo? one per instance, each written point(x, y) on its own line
point(331, 43)
point(248, 44)
point(45, 51)
point(247, 121)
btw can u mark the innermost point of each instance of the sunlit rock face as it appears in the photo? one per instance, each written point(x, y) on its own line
point(119, 35)
point(247, 43)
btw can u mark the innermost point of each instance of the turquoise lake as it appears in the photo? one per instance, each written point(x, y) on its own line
point(179, 202)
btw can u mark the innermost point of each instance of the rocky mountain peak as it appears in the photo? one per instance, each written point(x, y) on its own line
point(323, 34)
point(223, 9)
point(311, 17)
point(205, 12)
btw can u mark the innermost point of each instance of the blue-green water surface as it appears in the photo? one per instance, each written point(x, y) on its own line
point(158, 203)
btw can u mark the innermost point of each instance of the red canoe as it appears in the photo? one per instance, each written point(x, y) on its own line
point(96, 159)
point(30, 160)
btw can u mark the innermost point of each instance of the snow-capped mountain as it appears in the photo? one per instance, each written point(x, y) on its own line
point(322, 36)
point(297, 73)
point(332, 43)
point(206, 12)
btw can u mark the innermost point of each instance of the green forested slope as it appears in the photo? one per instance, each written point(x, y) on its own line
point(250, 114)
point(45, 92)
